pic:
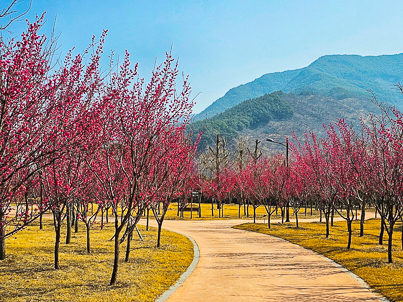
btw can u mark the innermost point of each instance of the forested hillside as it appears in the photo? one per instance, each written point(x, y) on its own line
point(248, 115)
point(279, 114)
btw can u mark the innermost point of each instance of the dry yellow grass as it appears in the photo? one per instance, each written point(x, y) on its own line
point(231, 212)
point(366, 258)
point(27, 274)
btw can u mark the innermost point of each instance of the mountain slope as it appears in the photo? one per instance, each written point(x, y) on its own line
point(352, 73)
point(248, 115)
point(279, 114)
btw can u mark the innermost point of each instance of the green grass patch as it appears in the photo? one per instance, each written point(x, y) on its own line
point(27, 274)
point(366, 258)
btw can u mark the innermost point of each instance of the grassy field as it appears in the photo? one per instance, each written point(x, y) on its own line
point(231, 212)
point(27, 274)
point(366, 258)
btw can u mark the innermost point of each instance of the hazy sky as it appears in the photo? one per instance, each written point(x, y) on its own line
point(222, 44)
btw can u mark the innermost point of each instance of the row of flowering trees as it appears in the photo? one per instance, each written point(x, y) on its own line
point(71, 138)
point(344, 172)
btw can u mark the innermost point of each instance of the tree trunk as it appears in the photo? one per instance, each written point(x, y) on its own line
point(296, 219)
point(102, 219)
point(287, 212)
point(349, 228)
point(381, 232)
point(129, 240)
point(68, 231)
point(57, 222)
point(268, 220)
point(282, 215)
point(327, 218)
point(239, 210)
point(254, 214)
point(41, 221)
point(362, 220)
point(320, 215)
point(88, 238)
point(212, 208)
point(159, 234)
point(332, 217)
point(148, 217)
point(247, 208)
point(116, 259)
point(2, 239)
point(76, 224)
point(390, 241)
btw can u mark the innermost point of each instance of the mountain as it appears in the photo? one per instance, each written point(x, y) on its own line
point(351, 73)
point(280, 114)
point(250, 114)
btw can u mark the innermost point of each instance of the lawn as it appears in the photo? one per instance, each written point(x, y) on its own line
point(366, 258)
point(27, 274)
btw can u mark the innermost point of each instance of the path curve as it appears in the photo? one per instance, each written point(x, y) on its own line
point(236, 265)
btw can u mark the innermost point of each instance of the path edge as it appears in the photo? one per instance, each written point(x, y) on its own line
point(338, 265)
point(186, 274)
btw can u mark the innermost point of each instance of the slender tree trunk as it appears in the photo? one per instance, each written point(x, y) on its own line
point(57, 222)
point(102, 219)
point(381, 232)
point(239, 210)
point(320, 215)
point(68, 231)
point(200, 205)
point(107, 215)
point(254, 214)
point(362, 220)
point(327, 218)
point(177, 214)
point(390, 241)
point(41, 221)
point(117, 251)
point(129, 240)
point(2, 235)
point(349, 228)
point(76, 224)
point(296, 219)
point(88, 228)
point(247, 209)
point(268, 220)
point(282, 215)
point(287, 212)
point(148, 218)
point(332, 217)
point(159, 233)
point(212, 208)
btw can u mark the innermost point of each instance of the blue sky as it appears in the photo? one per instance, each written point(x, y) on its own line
point(222, 44)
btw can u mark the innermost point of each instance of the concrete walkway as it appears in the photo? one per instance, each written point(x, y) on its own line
point(237, 265)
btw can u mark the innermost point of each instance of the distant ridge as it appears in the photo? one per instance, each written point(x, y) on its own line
point(352, 73)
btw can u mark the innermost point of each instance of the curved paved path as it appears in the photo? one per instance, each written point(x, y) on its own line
point(237, 265)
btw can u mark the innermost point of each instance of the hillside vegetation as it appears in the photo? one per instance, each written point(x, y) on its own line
point(248, 115)
point(279, 114)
